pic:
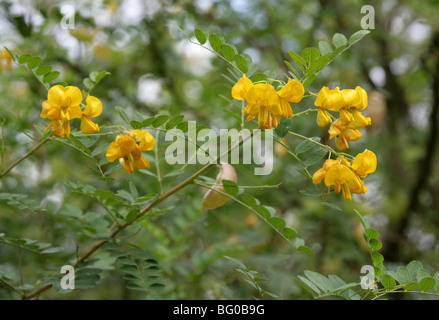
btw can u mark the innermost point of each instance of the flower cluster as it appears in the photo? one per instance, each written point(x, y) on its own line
point(345, 177)
point(64, 104)
point(5, 60)
point(348, 103)
point(265, 102)
point(128, 151)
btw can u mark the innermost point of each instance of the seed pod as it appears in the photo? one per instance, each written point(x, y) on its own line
point(213, 199)
point(376, 110)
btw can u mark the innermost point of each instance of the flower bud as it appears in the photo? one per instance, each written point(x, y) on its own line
point(213, 199)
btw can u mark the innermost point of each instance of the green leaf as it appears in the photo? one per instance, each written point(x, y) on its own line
point(278, 223)
point(377, 258)
point(262, 211)
point(308, 80)
point(436, 277)
point(319, 280)
point(159, 120)
point(228, 52)
point(136, 124)
point(297, 60)
point(289, 233)
point(230, 187)
point(388, 282)
point(215, 42)
point(403, 275)
point(241, 63)
point(122, 114)
point(325, 47)
point(375, 245)
point(50, 76)
point(200, 33)
point(318, 65)
point(24, 58)
point(88, 83)
point(174, 122)
point(306, 145)
point(339, 40)
point(413, 268)
point(315, 157)
point(357, 36)
point(331, 205)
point(43, 70)
point(422, 273)
point(101, 75)
point(427, 283)
point(258, 77)
point(305, 249)
point(308, 286)
point(283, 127)
point(310, 54)
point(248, 200)
point(33, 62)
point(372, 234)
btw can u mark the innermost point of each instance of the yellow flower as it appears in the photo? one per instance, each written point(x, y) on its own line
point(355, 99)
point(343, 135)
point(364, 163)
point(92, 109)
point(6, 58)
point(128, 151)
point(341, 178)
point(359, 121)
point(292, 92)
point(344, 176)
point(240, 89)
point(320, 174)
point(263, 102)
point(61, 106)
point(328, 100)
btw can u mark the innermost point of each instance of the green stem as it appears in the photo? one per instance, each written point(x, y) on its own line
point(158, 200)
point(315, 142)
point(12, 166)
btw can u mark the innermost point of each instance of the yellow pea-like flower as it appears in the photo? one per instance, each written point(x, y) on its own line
point(342, 179)
point(240, 89)
point(62, 104)
point(343, 135)
point(92, 109)
point(364, 163)
point(263, 102)
point(126, 149)
point(293, 92)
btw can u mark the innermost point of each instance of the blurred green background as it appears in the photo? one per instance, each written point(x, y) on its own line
point(154, 68)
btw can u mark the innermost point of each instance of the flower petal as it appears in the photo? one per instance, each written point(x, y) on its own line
point(338, 175)
point(93, 108)
point(364, 163)
point(293, 91)
point(75, 112)
point(114, 152)
point(240, 89)
point(147, 141)
point(74, 94)
point(88, 126)
point(330, 99)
